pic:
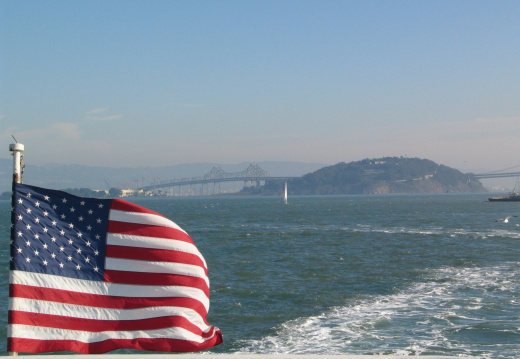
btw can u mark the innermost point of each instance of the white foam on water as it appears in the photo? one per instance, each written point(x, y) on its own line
point(438, 316)
point(509, 233)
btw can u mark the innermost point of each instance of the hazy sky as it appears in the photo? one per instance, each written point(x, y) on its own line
point(135, 83)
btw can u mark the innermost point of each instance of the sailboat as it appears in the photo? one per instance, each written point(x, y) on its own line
point(285, 195)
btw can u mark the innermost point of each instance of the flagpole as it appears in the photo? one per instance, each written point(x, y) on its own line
point(17, 149)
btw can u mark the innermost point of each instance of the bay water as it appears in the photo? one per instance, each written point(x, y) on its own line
point(360, 275)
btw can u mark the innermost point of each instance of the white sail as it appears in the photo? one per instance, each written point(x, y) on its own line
point(285, 196)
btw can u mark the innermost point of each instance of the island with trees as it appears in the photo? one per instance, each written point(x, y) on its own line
point(377, 176)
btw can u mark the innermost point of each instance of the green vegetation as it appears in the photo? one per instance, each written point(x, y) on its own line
point(379, 176)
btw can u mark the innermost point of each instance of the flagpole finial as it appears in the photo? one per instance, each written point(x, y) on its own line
point(18, 165)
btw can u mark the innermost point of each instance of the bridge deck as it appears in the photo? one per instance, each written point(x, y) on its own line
point(497, 175)
point(254, 174)
point(195, 181)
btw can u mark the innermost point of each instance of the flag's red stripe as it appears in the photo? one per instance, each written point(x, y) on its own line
point(154, 255)
point(139, 278)
point(102, 301)
point(94, 325)
point(163, 345)
point(147, 230)
point(122, 205)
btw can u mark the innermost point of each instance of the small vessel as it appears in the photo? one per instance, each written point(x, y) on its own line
point(513, 196)
point(285, 195)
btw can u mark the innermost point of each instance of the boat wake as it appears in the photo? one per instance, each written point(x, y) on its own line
point(512, 233)
point(453, 311)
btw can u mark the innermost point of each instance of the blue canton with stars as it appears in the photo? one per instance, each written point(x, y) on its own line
point(54, 232)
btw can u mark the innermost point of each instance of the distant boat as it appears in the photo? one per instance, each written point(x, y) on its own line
point(285, 195)
point(513, 196)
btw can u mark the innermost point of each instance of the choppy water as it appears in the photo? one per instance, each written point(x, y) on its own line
point(406, 275)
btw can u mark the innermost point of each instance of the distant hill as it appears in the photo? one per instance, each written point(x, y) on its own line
point(369, 176)
point(380, 176)
point(76, 176)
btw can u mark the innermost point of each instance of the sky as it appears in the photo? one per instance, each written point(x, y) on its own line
point(153, 83)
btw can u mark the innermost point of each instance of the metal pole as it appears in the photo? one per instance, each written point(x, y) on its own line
point(17, 149)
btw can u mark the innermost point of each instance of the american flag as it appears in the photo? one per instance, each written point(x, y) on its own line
point(93, 275)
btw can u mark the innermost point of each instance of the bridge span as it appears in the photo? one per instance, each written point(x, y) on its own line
point(497, 174)
point(253, 176)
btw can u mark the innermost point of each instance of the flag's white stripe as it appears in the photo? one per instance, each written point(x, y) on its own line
point(101, 288)
point(156, 267)
point(43, 333)
point(97, 313)
point(130, 240)
point(127, 240)
point(142, 218)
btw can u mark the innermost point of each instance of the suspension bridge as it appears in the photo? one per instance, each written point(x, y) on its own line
point(253, 176)
point(497, 175)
